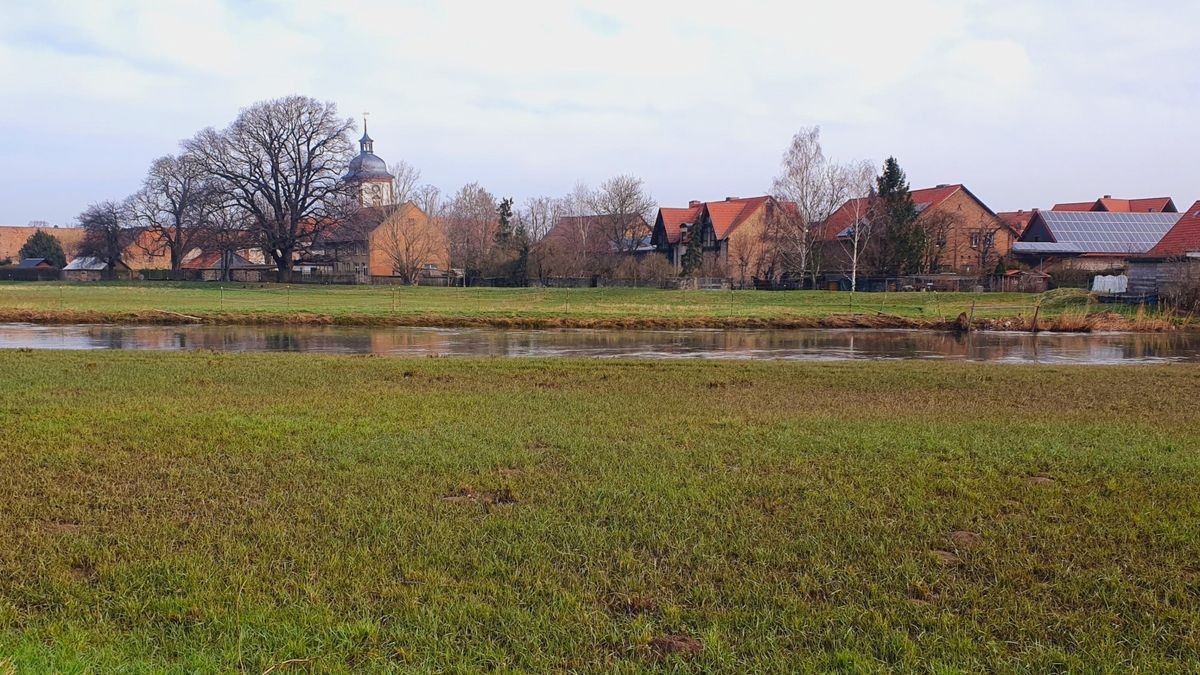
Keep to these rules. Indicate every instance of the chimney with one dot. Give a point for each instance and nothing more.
(943, 185)
(693, 203)
(729, 199)
(1107, 197)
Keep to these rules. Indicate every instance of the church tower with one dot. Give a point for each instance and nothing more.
(369, 175)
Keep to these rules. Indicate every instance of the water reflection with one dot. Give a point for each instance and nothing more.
(712, 344)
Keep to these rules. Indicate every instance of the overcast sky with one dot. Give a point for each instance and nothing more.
(1027, 102)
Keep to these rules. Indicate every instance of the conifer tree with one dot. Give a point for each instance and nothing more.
(902, 240)
(42, 244)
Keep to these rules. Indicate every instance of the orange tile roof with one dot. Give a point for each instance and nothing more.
(673, 219)
(1181, 239)
(924, 199)
(1016, 221)
(726, 216)
(1106, 203)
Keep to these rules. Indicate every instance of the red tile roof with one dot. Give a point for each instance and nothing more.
(1106, 203)
(728, 215)
(1181, 239)
(673, 219)
(212, 260)
(924, 199)
(1016, 221)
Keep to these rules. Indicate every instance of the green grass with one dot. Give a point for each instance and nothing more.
(217, 512)
(590, 303)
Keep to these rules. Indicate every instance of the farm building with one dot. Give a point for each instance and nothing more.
(1173, 264)
(1090, 240)
(87, 268)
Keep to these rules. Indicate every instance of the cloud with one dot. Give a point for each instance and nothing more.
(1026, 101)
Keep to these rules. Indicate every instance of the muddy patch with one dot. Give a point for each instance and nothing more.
(1040, 479)
(965, 539)
(944, 557)
(59, 526)
(682, 645)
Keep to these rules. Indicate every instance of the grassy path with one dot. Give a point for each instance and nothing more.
(202, 512)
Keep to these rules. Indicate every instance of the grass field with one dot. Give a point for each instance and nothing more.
(201, 512)
(436, 306)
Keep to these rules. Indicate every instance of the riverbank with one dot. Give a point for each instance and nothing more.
(196, 512)
(266, 304)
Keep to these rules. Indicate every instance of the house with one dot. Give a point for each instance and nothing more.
(967, 236)
(1110, 205)
(381, 241)
(1171, 265)
(223, 265)
(729, 231)
(1090, 241)
(88, 268)
(13, 237)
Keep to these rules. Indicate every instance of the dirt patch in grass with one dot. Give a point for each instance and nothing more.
(945, 557)
(682, 645)
(965, 539)
(59, 526)
(1040, 479)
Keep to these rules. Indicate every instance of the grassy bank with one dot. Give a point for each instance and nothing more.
(222, 512)
(549, 308)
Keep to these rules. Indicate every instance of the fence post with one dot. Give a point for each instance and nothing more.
(1037, 309)
(222, 299)
(971, 319)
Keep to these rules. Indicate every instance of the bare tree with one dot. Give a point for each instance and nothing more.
(539, 215)
(937, 228)
(281, 162)
(470, 224)
(814, 187)
(624, 208)
(227, 230)
(106, 233)
(983, 244)
(405, 177)
(859, 177)
(173, 206)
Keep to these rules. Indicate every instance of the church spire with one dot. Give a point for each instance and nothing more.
(365, 144)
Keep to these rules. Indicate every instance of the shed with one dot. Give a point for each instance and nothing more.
(90, 268)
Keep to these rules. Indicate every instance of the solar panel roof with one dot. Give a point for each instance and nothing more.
(1102, 232)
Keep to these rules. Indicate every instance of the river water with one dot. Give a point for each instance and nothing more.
(795, 345)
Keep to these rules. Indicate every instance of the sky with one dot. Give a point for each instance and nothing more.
(1026, 102)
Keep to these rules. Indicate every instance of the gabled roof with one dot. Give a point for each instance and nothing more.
(1183, 238)
(924, 199)
(1111, 205)
(672, 220)
(1095, 232)
(34, 262)
(726, 216)
(89, 263)
(211, 260)
(1016, 221)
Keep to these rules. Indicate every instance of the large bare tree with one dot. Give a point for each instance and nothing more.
(173, 207)
(470, 221)
(281, 162)
(405, 178)
(624, 208)
(106, 233)
(813, 186)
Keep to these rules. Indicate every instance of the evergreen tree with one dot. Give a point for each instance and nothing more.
(693, 255)
(504, 231)
(42, 244)
(902, 239)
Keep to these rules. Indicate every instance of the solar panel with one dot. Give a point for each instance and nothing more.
(1104, 232)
